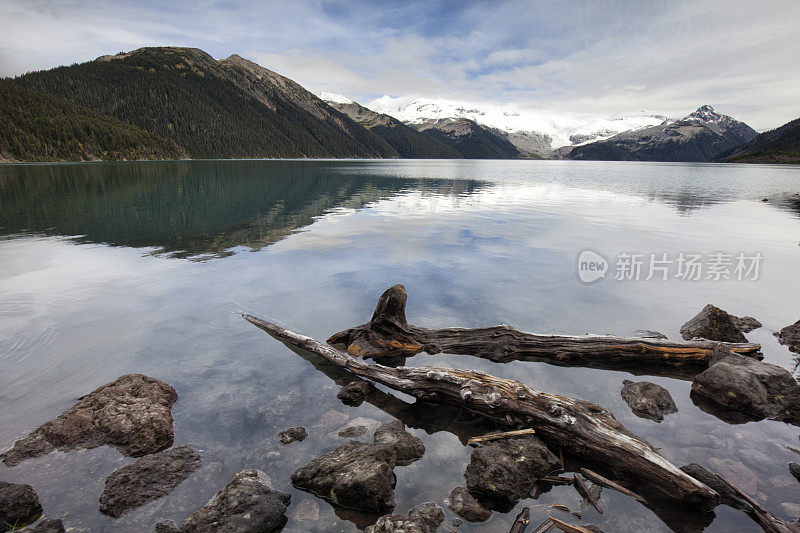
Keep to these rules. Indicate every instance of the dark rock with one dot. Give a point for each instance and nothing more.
(464, 504)
(354, 393)
(648, 400)
(501, 472)
(351, 432)
(648, 334)
(248, 503)
(147, 479)
(407, 447)
(48, 525)
(714, 324)
(790, 336)
(166, 526)
(295, 434)
(132, 413)
(759, 389)
(794, 468)
(355, 475)
(19, 505)
(745, 324)
(727, 495)
(424, 518)
(456, 522)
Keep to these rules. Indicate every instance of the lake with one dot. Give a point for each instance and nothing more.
(145, 267)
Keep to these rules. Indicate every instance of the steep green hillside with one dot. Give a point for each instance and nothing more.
(41, 127)
(210, 108)
(781, 145)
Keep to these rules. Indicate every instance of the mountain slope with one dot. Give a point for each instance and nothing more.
(211, 108)
(40, 127)
(699, 137)
(781, 145)
(469, 138)
(409, 143)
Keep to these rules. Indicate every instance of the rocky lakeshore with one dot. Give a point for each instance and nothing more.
(359, 478)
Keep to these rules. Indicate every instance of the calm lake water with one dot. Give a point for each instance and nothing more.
(107, 269)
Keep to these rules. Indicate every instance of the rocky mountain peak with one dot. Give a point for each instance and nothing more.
(705, 113)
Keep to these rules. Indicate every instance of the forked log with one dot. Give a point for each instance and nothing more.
(583, 428)
(388, 334)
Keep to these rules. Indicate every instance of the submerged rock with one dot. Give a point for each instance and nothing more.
(790, 336)
(147, 479)
(351, 432)
(248, 503)
(794, 468)
(407, 447)
(19, 505)
(132, 413)
(354, 393)
(714, 324)
(48, 525)
(424, 518)
(648, 400)
(166, 526)
(355, 475)
(465, 505)
(761, 390)
(504, 471)
(745, 324)
(295, 434)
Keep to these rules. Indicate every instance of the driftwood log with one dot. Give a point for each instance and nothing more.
(584, 428)
(388, 335)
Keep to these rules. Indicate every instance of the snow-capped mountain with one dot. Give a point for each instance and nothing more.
(334, 98)
(560, 129)
(699, 136)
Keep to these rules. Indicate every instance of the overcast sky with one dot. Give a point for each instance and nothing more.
(596, 57)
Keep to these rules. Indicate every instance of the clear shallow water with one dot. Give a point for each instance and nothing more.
(107, 269)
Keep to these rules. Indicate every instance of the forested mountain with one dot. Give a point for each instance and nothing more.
(219, 109)
(35, 126)
(781, 145)
(700, 136)
(472, 140)
(408, 142)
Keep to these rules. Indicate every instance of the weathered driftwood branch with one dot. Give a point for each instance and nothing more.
(521, 521)
(583, 428)
(500, 435)
(388, 334)
(568, 528)
(584, 492)
(605, 482)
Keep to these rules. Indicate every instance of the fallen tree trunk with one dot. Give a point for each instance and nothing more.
(583, 428)
(388, 334)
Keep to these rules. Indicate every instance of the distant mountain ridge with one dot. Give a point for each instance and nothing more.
(407, 141)
(781, 145)
(472, 140)
(700, 137)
